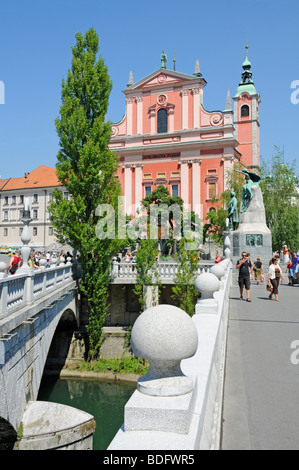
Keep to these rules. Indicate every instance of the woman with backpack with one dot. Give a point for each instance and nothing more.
(15, 263)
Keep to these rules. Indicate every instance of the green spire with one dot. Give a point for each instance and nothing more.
(246, 85)
(163, 60)
(246, 64)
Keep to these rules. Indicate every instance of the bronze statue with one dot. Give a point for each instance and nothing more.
(233, 214)
(251, 179)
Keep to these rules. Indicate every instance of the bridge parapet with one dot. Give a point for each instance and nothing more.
(126, 273)
(157, 417)
(21, 290)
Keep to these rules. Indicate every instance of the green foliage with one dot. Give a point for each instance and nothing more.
(216, 224)
(184, 291)
(146, 269)
(173, 221)
(129, 365)
(279, 182)
(87, 169)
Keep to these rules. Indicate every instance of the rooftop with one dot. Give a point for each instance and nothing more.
(41, 177)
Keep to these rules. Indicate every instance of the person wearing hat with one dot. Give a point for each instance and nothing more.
(258, 269)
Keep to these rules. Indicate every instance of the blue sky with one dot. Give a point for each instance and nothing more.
(35, 52)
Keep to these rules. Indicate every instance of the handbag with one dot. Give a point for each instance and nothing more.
(269, 288)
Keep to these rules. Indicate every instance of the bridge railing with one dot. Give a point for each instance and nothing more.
(20, 290)
(184, 386)
(166, 271)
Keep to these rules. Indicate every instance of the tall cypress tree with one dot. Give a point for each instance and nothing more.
(87, 169)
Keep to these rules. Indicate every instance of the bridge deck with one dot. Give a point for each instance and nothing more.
(260, 410)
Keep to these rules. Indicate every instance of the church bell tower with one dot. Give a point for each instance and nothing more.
(246, 117)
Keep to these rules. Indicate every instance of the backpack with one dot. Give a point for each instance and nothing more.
(14, 265)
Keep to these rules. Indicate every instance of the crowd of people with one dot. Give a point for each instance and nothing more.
(37, 260)
(248, 270)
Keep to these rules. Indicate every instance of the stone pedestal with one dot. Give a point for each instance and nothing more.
(253, 235)
(166, 414)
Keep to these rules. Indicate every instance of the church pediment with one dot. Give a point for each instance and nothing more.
(163, 77)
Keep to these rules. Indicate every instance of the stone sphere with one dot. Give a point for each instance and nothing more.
(218, 270)
(207, 283)
(164, 333)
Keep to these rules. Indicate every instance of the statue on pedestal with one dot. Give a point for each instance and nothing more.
(252, 234)
(233, 214)
(251, 179)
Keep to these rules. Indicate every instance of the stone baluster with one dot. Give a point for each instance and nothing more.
(115, 268)
(226, 242)
(3, 297)
(53, 262)
(219, 271)
(207, 284)
(62, 261)
(164, 335)
(25, 237)
(3, 268)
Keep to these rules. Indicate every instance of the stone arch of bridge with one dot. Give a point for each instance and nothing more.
(8, 435)
(66, 331)
(25, 352)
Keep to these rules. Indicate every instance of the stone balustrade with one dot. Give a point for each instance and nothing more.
(125, 272)
(20, 290)
(178, 403)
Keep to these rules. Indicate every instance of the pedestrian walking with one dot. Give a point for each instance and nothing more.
(275, 273)
(258, 269)
(217, 257)
(15, 263)
(245, 268)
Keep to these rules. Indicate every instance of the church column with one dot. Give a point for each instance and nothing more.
(129, 113)
(128, 189)
(196, 186)
(196, 106)
(170, 109)
(185, 93)
(185, 182)
(139, 114)
(138, 186)
(152, 115)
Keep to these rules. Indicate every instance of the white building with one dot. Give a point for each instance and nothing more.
(36, 186)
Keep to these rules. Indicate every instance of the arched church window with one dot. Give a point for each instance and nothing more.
(162, 120)
(245, 111)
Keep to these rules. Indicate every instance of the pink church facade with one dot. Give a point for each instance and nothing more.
(168, 138)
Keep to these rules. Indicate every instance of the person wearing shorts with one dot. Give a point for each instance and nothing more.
(245, 268)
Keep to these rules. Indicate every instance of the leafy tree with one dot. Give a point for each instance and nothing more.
(87, 170)
(279, 183)
(162, 197)
(184, 291)
(146, 269)
(172, 207)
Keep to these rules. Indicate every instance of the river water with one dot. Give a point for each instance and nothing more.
(104, 400)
